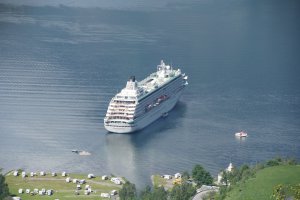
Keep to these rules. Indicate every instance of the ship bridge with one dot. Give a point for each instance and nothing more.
(163, 75)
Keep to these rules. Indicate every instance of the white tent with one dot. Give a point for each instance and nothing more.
(91, 176)
(49, 192)
(177, 175)
(42, 173)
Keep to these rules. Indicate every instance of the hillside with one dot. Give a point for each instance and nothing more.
(262, 185)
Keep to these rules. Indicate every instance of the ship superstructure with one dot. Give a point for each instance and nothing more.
(141, 103)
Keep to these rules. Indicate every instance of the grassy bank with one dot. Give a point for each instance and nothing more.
(62, 189)
(158, 181)
(262, 184)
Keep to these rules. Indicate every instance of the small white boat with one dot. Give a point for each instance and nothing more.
(241, 134)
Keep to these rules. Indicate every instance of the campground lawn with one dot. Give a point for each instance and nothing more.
(61, 189)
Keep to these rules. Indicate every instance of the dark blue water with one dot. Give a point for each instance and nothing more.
(61, 64)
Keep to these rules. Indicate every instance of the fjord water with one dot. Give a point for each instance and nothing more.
(61, 64)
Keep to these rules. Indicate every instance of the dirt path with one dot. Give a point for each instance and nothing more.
(104, 183)
(63, 179)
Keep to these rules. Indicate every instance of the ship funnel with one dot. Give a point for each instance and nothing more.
(131, 83)
(132, 78)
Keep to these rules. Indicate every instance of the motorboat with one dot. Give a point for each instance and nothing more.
(241, 134)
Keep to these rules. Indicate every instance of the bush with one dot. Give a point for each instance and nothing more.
(296, 191)
(272, 163)
(291, 161)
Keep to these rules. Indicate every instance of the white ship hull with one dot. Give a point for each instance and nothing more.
(141, 103)
(149, 118)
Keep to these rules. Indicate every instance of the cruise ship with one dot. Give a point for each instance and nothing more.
(141, 103)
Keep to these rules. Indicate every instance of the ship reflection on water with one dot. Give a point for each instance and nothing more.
(126, 157)
(121, 154)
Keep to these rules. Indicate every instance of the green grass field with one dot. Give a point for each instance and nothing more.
(159, 181)
(62, 189)
(261, 187)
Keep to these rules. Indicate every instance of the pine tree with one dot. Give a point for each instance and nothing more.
(184, 191)
(128, 192)
(4, 192)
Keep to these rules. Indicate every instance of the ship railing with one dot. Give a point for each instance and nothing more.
(119, 118)
(122, 114)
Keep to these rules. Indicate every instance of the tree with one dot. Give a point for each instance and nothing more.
(159, 193)
(128, 191)
(156, 193)
(184, 191)
(225, 177)
(222, 193)
(146, 193)
(4, 192)
(201, 176)
(185, 176)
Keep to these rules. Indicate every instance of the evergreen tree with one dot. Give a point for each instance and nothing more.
(4, 192)
(159, 193)
(184, 191)
(185, 176)
(128, 192)
(146, 193)
(201, 176)
(155, 194)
